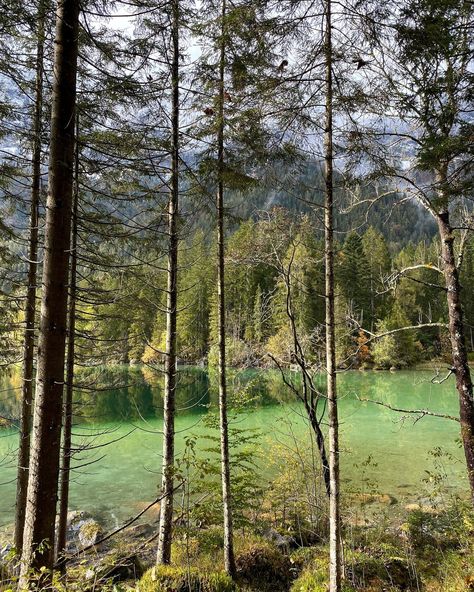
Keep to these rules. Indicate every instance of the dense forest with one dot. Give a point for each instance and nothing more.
(228, 230)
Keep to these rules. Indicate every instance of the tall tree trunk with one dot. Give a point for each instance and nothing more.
(229, 559)
(335, 550)
(456, 332)
(167, 479)
(67, 403)
(39, 535)
(30, 309)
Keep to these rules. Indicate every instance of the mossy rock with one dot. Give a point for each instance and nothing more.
(90, 532)
(166, 578)
(264, 568)
(121, 568)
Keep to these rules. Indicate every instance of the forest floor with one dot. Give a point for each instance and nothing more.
(432, 550)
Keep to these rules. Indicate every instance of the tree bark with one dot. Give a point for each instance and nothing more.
(166, 510)
(39, 534)
(335, 547)
(30, 308)
(68, 395)
(229, 558)
(456, 333)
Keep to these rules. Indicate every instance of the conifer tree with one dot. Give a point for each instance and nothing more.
(419, 69)
(168, 468)
(39, 535)
(30, 308)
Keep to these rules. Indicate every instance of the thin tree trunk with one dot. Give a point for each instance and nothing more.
(39, 534)
(67, 403)
(335, 547)
(457, 336)
(316, 427)
(166, 511)
(229, 559)
(30, 309)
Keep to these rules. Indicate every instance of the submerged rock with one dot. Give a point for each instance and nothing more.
(375, 498)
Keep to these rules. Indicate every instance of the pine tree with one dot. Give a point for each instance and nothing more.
(353, 275)
(378, 264)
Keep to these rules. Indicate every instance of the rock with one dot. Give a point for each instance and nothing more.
(75, 519)
(90, 532)
(6, 553)
(127, 568)
(114, 568)
(283, 542)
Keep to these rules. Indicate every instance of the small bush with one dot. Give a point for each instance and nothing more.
(165, 578)
(450, 529)
(368, 570)
(264, 567)
(315, 577)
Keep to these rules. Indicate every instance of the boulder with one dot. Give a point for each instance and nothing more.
(90, 532)
(119, 569)
(283, 542)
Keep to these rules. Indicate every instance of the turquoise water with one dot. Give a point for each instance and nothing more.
(380, 449)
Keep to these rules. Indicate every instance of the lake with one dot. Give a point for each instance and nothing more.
(381, 450)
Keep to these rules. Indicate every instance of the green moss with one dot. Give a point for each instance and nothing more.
(315, 577)
(364, 569)
(380, 570)
(167, 578)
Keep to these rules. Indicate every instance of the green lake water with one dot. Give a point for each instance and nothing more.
(380, 449)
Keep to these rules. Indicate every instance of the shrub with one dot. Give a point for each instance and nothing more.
(165, 578)
(450, 529)
(315, 577)
(368, 570)
(264, 567)
(199, 548)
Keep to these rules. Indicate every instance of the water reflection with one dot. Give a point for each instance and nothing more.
(125, 393)
(123, 406)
